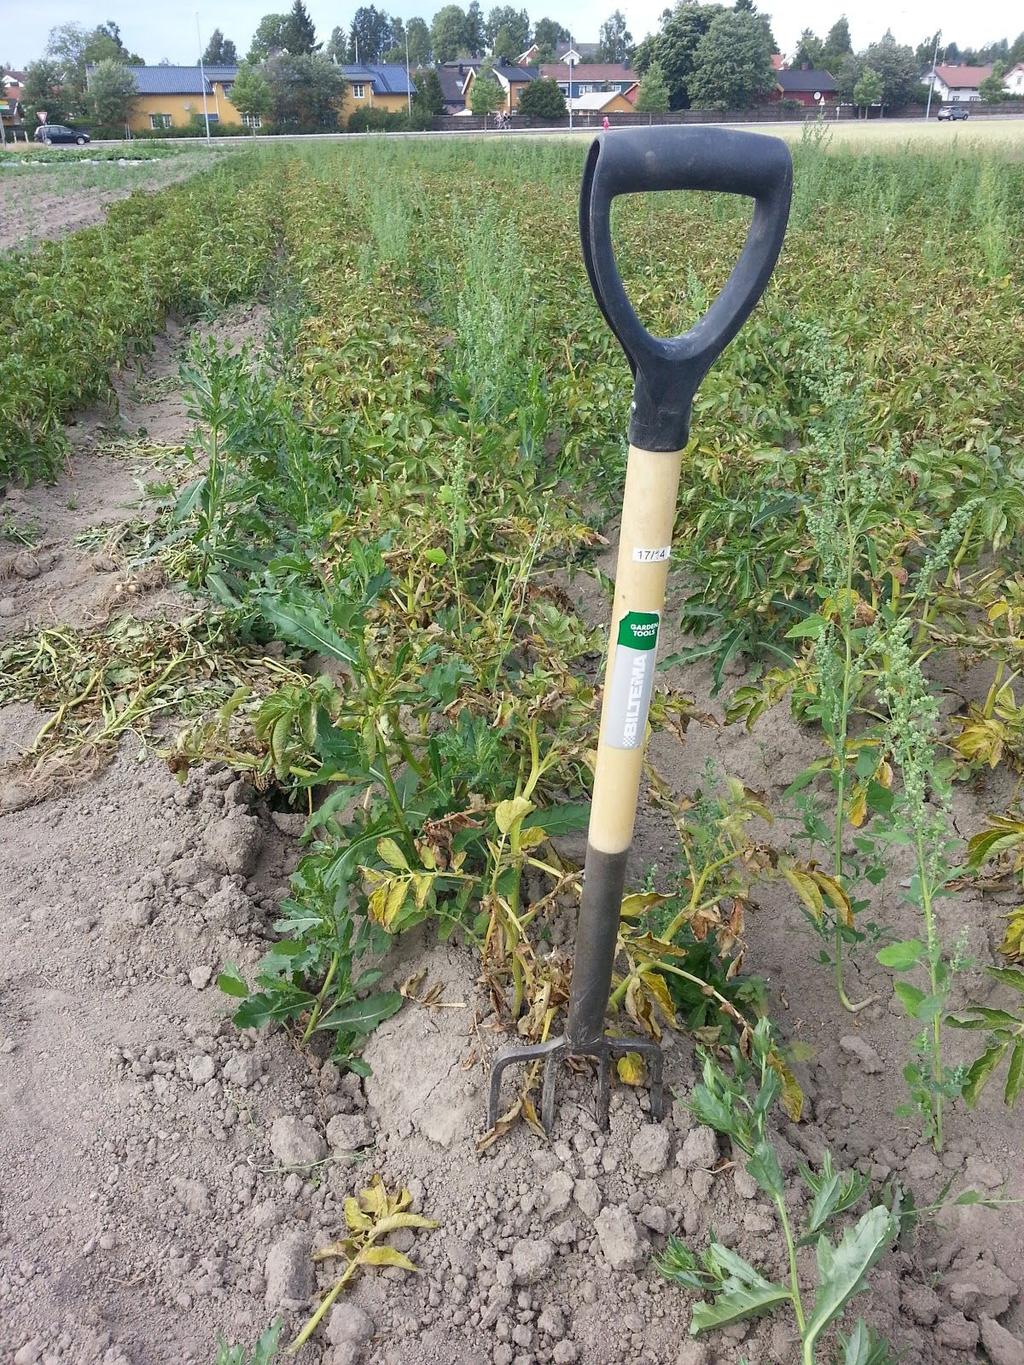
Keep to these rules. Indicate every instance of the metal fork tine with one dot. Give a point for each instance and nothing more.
(604, 1087)
(547, 1112)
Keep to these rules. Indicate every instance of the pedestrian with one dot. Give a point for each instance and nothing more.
(605, 124)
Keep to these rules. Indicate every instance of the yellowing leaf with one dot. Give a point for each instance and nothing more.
(391, 854)
(387, 1256)
(355, 1218)
(374, 1199)
(631, 1069)
(508, 813)
(792, 1096)
(858, 809)
(532, 838)
(394, 1221)
(634, 906)
(808, 891)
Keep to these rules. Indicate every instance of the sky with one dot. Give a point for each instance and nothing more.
(158, 31)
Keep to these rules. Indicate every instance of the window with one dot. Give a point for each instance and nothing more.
(160, 120)
(358, 91)
(252, 121)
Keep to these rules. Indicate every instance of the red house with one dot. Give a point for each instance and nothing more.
(804, 84)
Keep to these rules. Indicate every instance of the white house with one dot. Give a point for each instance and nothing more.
(1013, 84)
(957, 84)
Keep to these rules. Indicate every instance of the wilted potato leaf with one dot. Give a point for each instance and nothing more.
(630, 1069)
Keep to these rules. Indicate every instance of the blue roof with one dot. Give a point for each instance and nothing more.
(385, 79)
(179, 80)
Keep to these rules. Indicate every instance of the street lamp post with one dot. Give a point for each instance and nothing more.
(569, 56)
(202, 78)
(931, 78)
(408, 78)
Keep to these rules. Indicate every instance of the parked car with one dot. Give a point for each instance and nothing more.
(59, 132)
(953, 112)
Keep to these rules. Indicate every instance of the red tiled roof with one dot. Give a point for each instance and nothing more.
(962, 77)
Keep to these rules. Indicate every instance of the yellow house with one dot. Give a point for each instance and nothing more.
(512, 79)
(386, 87)
(601, 102)
(172, 96)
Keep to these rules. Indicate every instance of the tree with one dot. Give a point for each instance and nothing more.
(220, 51)
(251, 94)
(652, 97)
(837, 44)
(901, 78)
(75, 48)
(868, 90)
(371, 34)
(515, 21)
(475, 25)
(1016, 52)
(112, 93)
(850, 70)
(543, 99)
(428, 100)
(299, 33)
(675, 47)
(337, 45)
(616, 41)
(547, 35)
(991, 89)
(306, 90)
(809, 51)
(505, 48)
(925, 51)
(733, 63)
(485, 95)
(270, 35)
(45, 90)
(418, 34)
(448, 33)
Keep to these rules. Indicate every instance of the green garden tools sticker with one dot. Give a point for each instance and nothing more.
(632, 680)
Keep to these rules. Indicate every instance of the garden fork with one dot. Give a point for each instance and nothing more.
(666, 373)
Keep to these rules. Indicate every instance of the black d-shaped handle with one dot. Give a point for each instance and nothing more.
(667, 371)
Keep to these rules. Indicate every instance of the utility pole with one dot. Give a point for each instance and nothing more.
(408, 78)
(202, 78)
(931, 80)
(569, 57)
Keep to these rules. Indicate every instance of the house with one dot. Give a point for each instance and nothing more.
(804, 85)
(564, 52)
(172, 97)
(957, 84)
(452, 76)
(603, 102)
(376, 86)
(1013, 82)
(588, 77)
(12, 115)
(512, 79)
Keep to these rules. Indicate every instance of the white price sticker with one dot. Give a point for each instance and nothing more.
(657, 556)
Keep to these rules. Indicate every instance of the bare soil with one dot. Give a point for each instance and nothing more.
(165, 1177)
(46, 202)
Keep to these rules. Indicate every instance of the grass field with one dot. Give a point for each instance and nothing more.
(391, 518)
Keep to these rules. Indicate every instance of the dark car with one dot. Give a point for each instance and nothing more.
(59, 132)
(954, 112)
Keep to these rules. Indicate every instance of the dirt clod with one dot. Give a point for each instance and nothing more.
(295, 1143)
(618, 1237)
(289, 1272)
